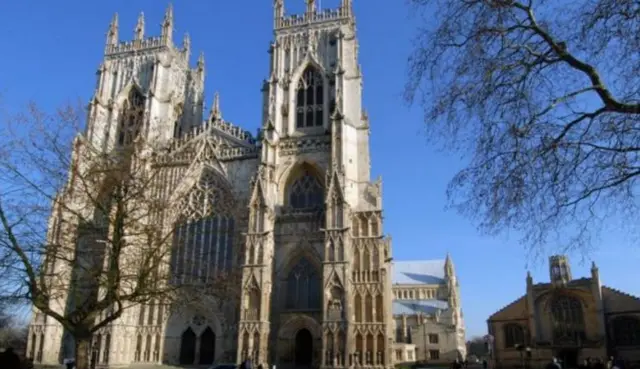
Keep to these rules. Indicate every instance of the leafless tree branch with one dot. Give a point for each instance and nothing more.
(544, 98)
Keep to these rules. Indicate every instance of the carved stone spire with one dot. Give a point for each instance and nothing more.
(216, 114)
(139, 30)
(186, 45)
(311, 6)
(167, 25)
(347, 7)
(112, 34)
(200, 64)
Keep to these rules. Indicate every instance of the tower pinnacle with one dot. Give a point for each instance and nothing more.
(278, 12)
(201, 61)
(112, 34)
(216, 114)
(347, 7)
(167, 24)
(311, 6)
(139, 30)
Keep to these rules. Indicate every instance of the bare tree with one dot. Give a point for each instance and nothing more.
(543, 96)
(87, 232)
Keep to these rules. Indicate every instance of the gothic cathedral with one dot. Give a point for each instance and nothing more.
(319, 288)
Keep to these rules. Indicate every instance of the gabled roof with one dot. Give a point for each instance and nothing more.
(411, 307)
(616, 301)
(418, 272)
(514, 310)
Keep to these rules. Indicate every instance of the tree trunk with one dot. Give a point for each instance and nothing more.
(83, 346)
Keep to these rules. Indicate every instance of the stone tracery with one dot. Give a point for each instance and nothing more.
(567, 318)
(310, 99)
(306, 192)
(203, 242)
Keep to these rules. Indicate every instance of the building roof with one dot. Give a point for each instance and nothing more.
(411, 307)
(418, 272)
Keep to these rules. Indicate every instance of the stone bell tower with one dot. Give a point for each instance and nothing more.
(316, 275)
(145, 87)
(559, 269)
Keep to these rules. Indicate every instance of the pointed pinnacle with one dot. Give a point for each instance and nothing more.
(169, 12)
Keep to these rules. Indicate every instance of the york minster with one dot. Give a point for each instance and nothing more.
(293, 208)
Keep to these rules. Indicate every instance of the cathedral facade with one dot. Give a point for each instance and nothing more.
(318, 286)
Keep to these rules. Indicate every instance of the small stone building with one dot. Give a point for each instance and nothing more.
(571, 319)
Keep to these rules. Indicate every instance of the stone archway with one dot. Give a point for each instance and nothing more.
(188, 347)
(299, 341)
(207, 347)
(303, 348)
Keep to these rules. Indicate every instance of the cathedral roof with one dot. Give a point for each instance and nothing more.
(411, 307)
(418, 272)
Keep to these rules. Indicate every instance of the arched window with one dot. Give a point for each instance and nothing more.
(310, 99)
(132, 117)
(306, 192)
(567, 319)
(513, 335)
(626, 331)
(303, 287)
(203, 241)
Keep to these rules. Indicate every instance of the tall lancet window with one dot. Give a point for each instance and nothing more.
(310, 99)
(203, 241)
(131, 118)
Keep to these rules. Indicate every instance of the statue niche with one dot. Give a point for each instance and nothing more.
(335, 306)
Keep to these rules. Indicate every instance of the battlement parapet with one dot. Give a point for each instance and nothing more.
(321, 16)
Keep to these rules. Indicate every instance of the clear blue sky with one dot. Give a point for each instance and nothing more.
(51, 50)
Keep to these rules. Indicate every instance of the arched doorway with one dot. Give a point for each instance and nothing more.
(304, 348)
(207, 347)
(188, 347)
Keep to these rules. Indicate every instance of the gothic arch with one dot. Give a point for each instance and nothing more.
(131, 117)
(184, 318)
(124, 94)
(191, 179)
(300, 252)
(303, 186)
(309, 63)
(296, 323)
(293, 168)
